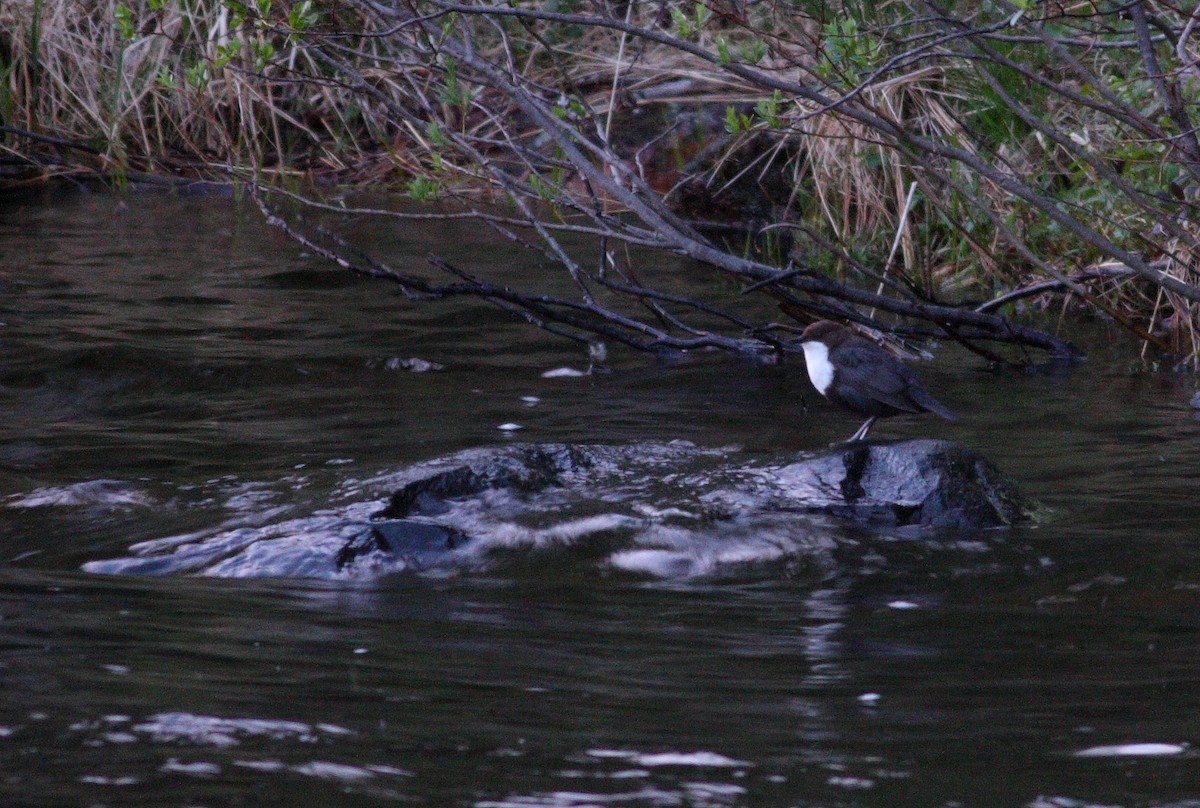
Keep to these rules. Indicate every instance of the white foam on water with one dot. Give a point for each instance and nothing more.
(334, 729)
(860, 783)
(391, 770)
(208, 730)
(1042, 801)
(1133, 750)
(712, 793)
(703, 759)
(198, 769)
(508, 534)
(119, 737)
(168, 542)
(563, 373)
(333, 771)
(414, 364)
(658, 563)
(262, 765)
(582, 799)
(107, 493)
(650, 760)
(651, 512)
(255, 499)
(103, 780)
(669, 551)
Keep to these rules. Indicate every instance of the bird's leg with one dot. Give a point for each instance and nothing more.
(861, 434)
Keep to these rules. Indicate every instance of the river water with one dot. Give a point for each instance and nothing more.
(172, 367)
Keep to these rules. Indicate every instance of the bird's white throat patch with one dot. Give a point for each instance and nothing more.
(820, 369)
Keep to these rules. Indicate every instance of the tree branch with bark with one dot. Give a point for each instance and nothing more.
(921, 168)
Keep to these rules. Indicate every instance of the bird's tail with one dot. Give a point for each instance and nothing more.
(931, 404)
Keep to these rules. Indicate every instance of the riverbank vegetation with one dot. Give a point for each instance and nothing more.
(921, 168)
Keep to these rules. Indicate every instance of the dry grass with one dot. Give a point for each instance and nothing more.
(173, 87)
(177, 88)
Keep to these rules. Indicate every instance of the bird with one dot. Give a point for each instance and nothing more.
(863, 377)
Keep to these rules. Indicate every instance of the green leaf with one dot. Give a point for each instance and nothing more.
(768, 110)
(723, 50)
(423, 189)
(753, 53)
(435, 134)
(683, 24)
(303, 16)
(198, 75)
(263, 53)
(227, 53)
(126, 25)
(736, 122)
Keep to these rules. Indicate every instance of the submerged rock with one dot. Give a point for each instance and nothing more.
(665, 509)
(525, 468)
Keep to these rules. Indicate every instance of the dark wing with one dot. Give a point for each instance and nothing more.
(885, 379)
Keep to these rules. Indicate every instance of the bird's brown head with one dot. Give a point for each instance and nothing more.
(825, 331)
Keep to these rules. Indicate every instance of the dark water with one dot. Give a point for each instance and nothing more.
(176, 368)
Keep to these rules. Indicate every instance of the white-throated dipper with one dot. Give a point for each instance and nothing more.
(863, 377)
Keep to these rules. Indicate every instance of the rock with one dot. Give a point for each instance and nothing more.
(1196, 401)
(417, 542)
(931, 483)
(525, 467)
(666, 509)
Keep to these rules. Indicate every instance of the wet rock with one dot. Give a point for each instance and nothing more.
(664, 509)
(524, 468)
(420, 543)
(930, 483)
